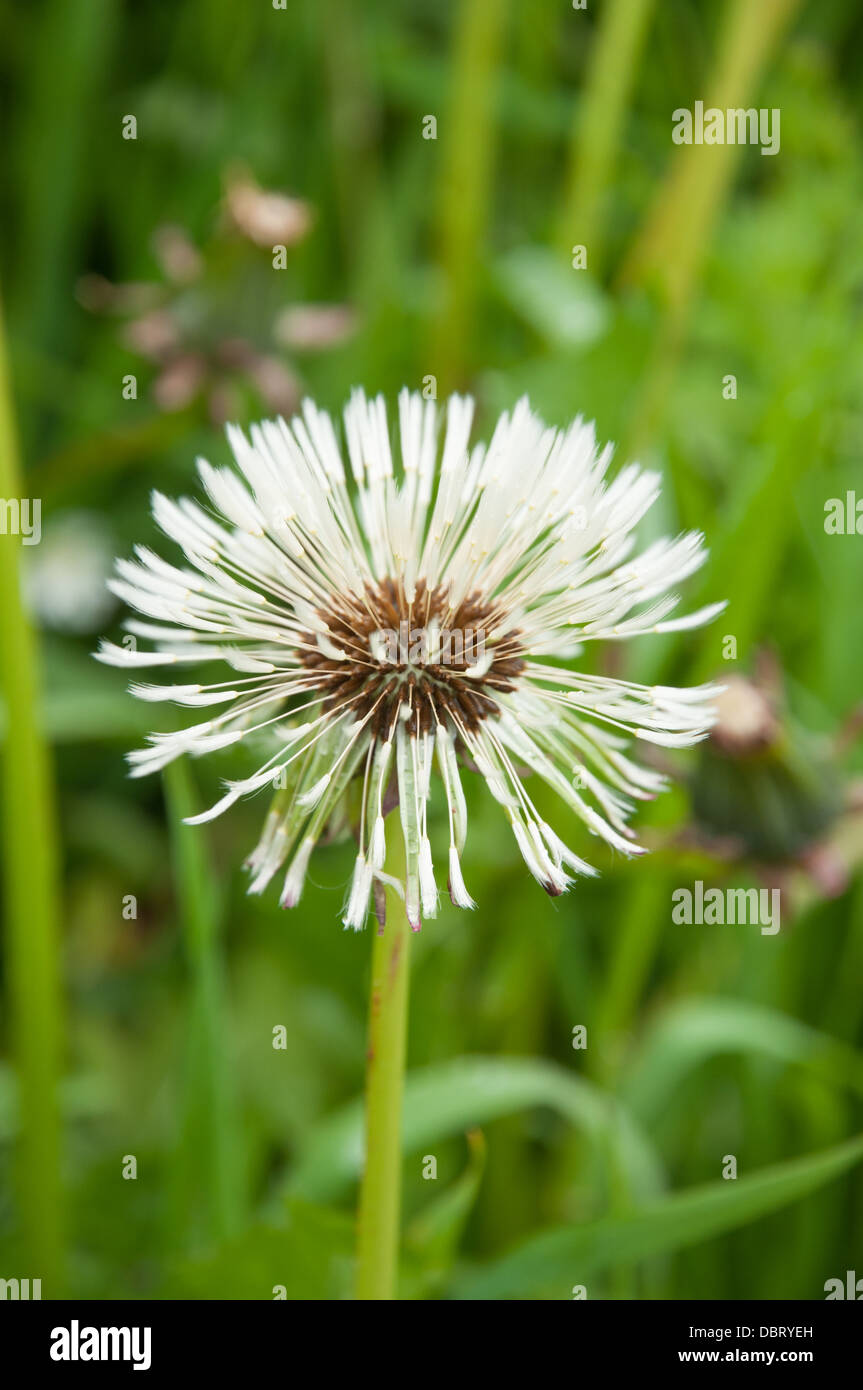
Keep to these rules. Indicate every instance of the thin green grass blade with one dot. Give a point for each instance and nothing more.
(207, 1189)
(559, 1259)
(31, 897)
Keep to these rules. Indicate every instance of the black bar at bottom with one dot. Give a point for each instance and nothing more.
(73, 1338)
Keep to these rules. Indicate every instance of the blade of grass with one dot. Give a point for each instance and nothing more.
(569, 1254)
(677, 233)
(670, 249)
(469, 130)
(354, 116)
(30, 889)
(207, 1173)
(845, 1008)
(644, 915)
(599, 122)
(692, 1032)
(69, 54)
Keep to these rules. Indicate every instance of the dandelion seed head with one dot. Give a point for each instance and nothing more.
(404, 605)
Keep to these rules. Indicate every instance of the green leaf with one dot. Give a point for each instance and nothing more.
(692, 1032)
(564, 306)
(550, 1264)
(455, 1097)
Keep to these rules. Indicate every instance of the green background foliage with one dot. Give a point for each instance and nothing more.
(556, 1167)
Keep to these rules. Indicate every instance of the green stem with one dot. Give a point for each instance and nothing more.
(380, 1191)
(31, 895)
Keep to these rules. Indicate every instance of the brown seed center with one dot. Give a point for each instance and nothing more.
(383, 656)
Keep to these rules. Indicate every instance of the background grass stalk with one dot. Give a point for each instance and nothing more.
(471, 137)
(599, 122)
(670, 250)
(676, 236)
(380, 1191)
(206, 1190)
(31, 899)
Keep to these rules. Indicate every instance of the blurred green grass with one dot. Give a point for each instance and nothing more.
(702, 1042)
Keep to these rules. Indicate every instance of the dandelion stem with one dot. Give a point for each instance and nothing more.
(380, 1192)
(31, 896)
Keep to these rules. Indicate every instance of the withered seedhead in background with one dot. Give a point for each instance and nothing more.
(210, 325)
(770, 793)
